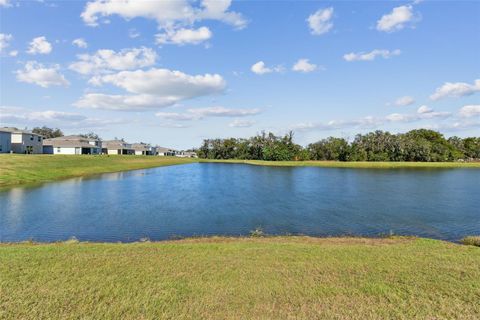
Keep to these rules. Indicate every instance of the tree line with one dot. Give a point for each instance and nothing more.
(415, 145)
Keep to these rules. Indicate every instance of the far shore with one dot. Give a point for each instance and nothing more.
(20, 170)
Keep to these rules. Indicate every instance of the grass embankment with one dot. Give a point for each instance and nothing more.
(353, 164)
(246, 278)
(29, 169)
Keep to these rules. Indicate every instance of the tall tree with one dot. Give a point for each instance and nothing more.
(47, 132)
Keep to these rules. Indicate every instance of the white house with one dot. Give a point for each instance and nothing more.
(5, 141)
(160, 151)
(143, 149)
(72, 145)
(23, 141)
(117, 147)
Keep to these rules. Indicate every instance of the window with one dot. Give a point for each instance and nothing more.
(39, 139)
(59, 149)
(31, 138)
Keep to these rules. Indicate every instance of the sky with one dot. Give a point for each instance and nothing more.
(174, 73)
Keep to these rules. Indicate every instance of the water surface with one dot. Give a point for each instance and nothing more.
(233, 199)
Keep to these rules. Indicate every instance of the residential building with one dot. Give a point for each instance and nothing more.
(72, 145)
(23, 141)
(143, 149)
(161, 151)
(5, 141)
(117, 147)
(186, 154)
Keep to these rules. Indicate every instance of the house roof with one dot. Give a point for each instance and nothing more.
(68, 143)
(141, 147)
(116, 144)
(162, 149)
(16, 130)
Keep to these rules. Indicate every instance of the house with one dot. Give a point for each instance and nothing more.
(5, 141)
(117, 147)
(186, 154)
(160, 151)
(72, 145)
(23, 141)
(143, 149)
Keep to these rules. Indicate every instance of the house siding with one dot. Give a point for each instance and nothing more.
(5, 142)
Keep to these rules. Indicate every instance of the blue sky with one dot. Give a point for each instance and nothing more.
(175, 72)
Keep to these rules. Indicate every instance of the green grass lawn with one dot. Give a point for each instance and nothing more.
(242, 278)
(353, 164)
(27, 169)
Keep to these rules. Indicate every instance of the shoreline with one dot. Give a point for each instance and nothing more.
(33, 170)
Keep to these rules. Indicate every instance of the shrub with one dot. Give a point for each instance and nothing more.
(471, 241)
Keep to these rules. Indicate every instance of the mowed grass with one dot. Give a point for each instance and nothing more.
(28, 169)
(353, 164)
(245, 278)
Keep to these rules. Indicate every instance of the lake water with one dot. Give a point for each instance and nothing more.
(233, 199)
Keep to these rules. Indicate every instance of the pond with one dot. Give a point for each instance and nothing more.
(203, 199)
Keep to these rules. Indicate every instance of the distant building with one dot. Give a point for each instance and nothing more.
(23, 141)
(117, 147)
(143, 149)
(72, 145)
(164, 152)
(5, 141)
(186, 154)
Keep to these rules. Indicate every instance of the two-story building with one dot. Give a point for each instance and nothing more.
(23, 141)
(72, 145)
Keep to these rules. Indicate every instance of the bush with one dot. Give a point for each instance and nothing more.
(471, 241)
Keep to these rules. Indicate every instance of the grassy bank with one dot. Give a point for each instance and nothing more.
(28, 169)
(353, 164)
(246, 278)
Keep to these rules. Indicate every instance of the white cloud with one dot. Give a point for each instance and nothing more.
(154, 88)
(470, 111)
(200, 113)
(424, 109)
(223, 112)
(36, 73)
(261, 68)
(5, 3)
(370, 56)
(239, 123)
(404, 101)
(80, 42)
(106, 60)
(167, 13)
(184, 36)
(396, 20)
(456, 89)
(133, 33)
(5, 41)
(13, 53)
(303, 65)
(39, 45)
(19, 116)
(320, 22)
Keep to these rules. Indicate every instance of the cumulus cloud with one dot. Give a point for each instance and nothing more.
(106, 60)
(13, 53)
(320, 22)
(167, 13)
(261, 68)
(370, 56)
(5, 41)
(19, 116)
(5, 3)
(200, 113)
(470, 111)
(36, 73)
(240, 123)
(154, 88)
(456, 89)
(423, 113)
(39, 45)
(80, 42)
(424, 109)
(404, 101)
(184, 36)
(303, 65)
(397, 19)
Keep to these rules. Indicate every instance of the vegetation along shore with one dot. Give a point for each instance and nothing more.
(242, 278)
